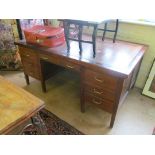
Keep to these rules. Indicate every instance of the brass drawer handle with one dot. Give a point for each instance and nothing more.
(97, 92)
(31, 73)
(30, 65)
(97, 102)
(69, 66)
(27, 55)
(44, 58)
(101, 81)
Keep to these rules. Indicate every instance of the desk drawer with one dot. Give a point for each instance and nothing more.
(31, 69)
(28, 54)
(99, 92)
(70, 65)
(107, 82)
(104, 104)
(48, 58)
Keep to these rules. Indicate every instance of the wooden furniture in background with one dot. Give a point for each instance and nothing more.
(16, 106)
(106, 29)
(105, 79)
(80, 25)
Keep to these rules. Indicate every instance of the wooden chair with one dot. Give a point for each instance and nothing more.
(109, 30)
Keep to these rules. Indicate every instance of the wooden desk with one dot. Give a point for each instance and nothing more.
(16, 106)
(105, 79)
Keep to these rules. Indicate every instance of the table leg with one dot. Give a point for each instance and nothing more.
(37, 121)
(116, 29)
(80, 38)
(36, 127)
(66, 31)
(104, 32)
(94, 40)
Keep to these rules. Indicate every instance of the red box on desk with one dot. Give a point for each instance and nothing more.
(45, 35)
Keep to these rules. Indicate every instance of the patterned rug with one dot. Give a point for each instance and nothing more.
(54, 125)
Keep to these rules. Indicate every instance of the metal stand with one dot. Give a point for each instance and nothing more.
(38, 123)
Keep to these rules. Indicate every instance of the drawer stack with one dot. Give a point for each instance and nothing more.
(30, 62)
(100, 89)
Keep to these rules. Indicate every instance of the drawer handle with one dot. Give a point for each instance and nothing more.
(69, 66)
(97, 92)
(30, 72)
(30, 65)
(44, 58)
(27, 55)
(101, 81)
(97, 102)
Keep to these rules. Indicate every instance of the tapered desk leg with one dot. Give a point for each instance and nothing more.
(112, 120)
(43, 85)
(27, 79)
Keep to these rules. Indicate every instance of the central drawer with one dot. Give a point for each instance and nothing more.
(70, 65)
(104, 81)
(48, 58)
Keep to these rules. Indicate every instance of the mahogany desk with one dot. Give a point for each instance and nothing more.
(105, 79)
(16, 106)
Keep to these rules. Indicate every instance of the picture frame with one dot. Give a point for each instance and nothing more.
(149, 88)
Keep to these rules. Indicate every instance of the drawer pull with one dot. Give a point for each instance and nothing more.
(69, 66)
(101, 81)
(44, 58)
(27, 55)
(97, 102)
(97, 92)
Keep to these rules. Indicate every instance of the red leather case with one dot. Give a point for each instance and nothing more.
(45, 35)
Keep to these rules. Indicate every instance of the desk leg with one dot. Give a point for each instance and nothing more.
(27, 79)
(82, 101)
(112, 120)
(43, 85)
(117, 100)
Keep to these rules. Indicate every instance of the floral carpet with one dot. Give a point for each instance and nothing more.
(54, 125)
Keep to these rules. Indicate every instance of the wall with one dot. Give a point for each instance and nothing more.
(144, 34)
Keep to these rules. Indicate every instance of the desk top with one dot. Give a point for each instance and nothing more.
(119, 57)
(16, 105)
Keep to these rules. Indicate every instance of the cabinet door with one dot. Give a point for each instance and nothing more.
(30, 61)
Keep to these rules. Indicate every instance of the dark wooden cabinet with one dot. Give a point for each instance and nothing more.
(30, 63)
(105, 78)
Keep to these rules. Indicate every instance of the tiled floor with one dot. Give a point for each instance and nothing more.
(136, 116)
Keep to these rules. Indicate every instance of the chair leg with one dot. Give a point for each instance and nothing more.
(104, 32)
(116, 29)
